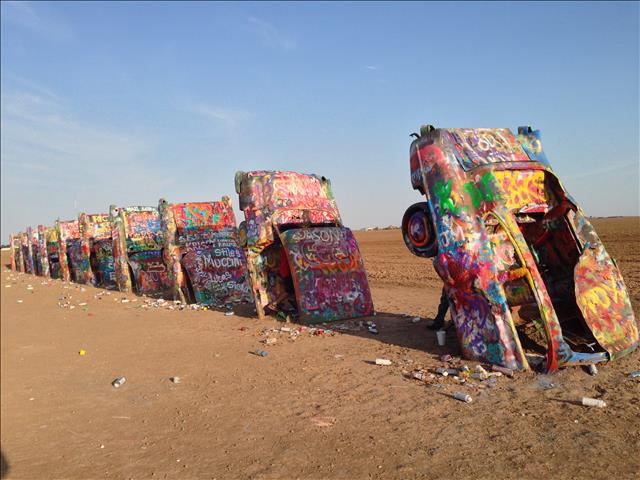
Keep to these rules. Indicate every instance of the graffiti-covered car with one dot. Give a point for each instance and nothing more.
(69, 249)
(27, 258)
(302, 260)
(98, 266)
(17, 260)
(43, 267)
(202, 249)
(53, 251)
(137, 251)
(522, 266)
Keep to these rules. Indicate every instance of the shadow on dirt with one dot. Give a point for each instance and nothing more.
(401, 331)
(4, 465)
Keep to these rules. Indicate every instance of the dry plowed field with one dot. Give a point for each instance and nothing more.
(315, 407)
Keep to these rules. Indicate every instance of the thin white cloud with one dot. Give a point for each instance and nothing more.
(270, 35)
(229, 117)
(607, 169)
(25, 15)
(371, 67)
(52, 160)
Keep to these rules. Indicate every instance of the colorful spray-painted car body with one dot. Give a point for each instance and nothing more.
(53, 251)
(27, 258)
(98, 266)
(17, 260)
(137, 251)
(69, 249)
(34, 250)
(521, 264)
(43, 267)
(298, 251)
(202, 250)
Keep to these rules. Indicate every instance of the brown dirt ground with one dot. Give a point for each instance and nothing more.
(313, 408)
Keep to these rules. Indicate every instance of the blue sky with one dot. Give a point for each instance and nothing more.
(128, 102)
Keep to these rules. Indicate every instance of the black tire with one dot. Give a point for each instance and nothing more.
(418, 232)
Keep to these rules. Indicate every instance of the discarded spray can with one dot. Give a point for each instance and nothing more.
(175, 379)
(635, 374)
(373, 330)
(447, 371)
(446, 358)
(419, 375)
(593, 402)
(229, 313)
(505, 371)
(593, 370)
(383, 361)
(118, 382)
(260, 353)
(463, 397)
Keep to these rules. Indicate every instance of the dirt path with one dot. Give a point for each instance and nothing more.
(315, 407)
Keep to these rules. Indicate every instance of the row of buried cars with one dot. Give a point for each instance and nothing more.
(522, 267)
(291, 256)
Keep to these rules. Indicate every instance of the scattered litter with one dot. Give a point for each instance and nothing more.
(82, 353)
(505, 371)
(421, 375)
(635, 374)
(446, 358)
(269, 341)
(441, 336)
(373, 330)
(323, 421)
(544, 384)
(415, 320)
(383, 361)
(593, 370)
(118, 382)
(19, 301)
(82, 304)
(285, 329)
(175, 379)
(463, 397)
(101, 446)
(593, 402)
(447, 371)
(229, 313)
(260, 353)
(7, 286)
(125, 300)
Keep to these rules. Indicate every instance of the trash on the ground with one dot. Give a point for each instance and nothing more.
(229, 313)
(505, 371)
(463, 397)
(383, 361)
(19, 301)
(118, 382)
(82, 352)
(260, 353)
(270, 341)
(593, 402)
(441, 336)
(175, 379)
(323, 421)
(545, 384)
(415, 320)
(82, 304)
(592, 369)
(421, 375)
(125, 300)
(534, 360)
(373, 330)
(447, 371)
(285, 329)
(446, 358)
(635, 374)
